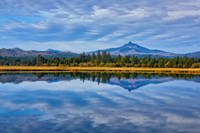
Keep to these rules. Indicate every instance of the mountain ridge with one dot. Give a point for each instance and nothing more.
(126, 49)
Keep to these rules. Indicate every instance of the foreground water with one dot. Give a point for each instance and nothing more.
(99, 103)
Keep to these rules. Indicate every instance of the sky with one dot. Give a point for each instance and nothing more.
(87, 25)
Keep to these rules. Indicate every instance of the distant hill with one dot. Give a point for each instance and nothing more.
(195, 54)
(16, 52)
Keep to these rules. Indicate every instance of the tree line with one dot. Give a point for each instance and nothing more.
(103, 59)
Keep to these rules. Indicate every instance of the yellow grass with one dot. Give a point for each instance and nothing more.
(109, 69)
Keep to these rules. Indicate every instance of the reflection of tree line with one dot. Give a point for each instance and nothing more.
(100, 77)
(105, 77)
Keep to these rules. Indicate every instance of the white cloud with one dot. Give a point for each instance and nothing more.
(136, 14)
(175, 15)
(102, 13)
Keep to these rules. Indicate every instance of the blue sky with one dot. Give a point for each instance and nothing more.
(79, 25)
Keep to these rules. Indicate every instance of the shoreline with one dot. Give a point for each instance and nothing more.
(195, 71)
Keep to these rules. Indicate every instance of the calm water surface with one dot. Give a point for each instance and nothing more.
(99, 103)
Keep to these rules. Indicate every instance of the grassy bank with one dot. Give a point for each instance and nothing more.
(109, 69)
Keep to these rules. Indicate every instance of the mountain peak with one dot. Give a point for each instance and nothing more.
(134, 46)
(130, 44)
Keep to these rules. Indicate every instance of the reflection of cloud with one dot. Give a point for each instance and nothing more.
(89, 107)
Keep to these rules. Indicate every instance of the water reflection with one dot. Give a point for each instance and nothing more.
(128, 81)
(98, 102)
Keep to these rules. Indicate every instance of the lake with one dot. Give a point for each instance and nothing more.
(99, 103)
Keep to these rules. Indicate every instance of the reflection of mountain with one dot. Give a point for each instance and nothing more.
(132, 84)
(126, 83)
(18, 78)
